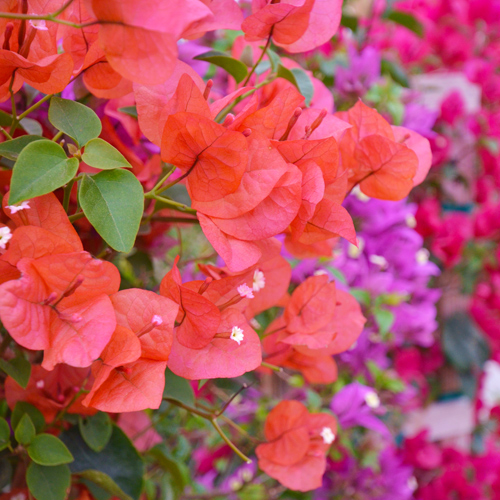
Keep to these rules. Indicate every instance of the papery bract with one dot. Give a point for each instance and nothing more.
(222, 357)
(61, 305)
(51, 392)
(296, 449)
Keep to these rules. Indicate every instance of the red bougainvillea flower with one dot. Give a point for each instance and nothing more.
(296, 27)
(139, 38)
(243, 190)
(42, 228)
(269, 279)
(47, 213)
(29, 51)
(61, 304)
(311, 328)
(384, 166)
(213, 338)
(51, 391)
(234, 350)
(295, 453)
(130, 373)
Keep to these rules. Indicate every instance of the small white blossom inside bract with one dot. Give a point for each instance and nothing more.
(327, 435)
(5, 236)
(259, 280)
(411, 221)
(372, 400)
(245, 291)
(379, 260)
(157, 320)
(422, 256)
(17, 208)
(39, 24)
(237, 334)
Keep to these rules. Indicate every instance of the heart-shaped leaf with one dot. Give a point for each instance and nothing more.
(11, 149)
(19, 368)
(233, 66)
(41, 167)
(100, 154)
(74, 119)
(46, 449)
(48, 483)
(113, 202)
(96, 430)
(25, 430)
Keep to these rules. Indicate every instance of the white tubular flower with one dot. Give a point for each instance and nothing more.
(372, 400)
(245, 291)
(39, 24)
(237, 334)
(17, 208)
(411, 221)
(320, 272)
(379, 260)
(327, 435)
(259, 280)
(422, 256)
(5, 236)
(157, 320)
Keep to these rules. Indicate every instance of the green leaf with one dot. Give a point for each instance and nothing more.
(41, 167)
(11, 149)
(202, 382)
(337, 274)
(119, 459)
(350, 22)
(25, 430)
(113, 202)
(384, 319)
(362, 296)
(47, 449)
(234, 67)
(129, 110)
(252, 492)
(274, 58)
(4, 434)
(406, 20)
(34, 413)
(262, 67)
(463, 344)
(105, 482)
(74, 119)
(5, 119)
(18, 368)
(178, 388)
(6, 472)
(300, 79)
(96, 430)
(395, 71)
(177, 470)
(304, 84)
(100, 154)
(30, 126)
(48, 483)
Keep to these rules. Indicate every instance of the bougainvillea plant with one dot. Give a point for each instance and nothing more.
(148, 218)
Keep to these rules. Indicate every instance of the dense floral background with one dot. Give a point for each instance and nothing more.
(250, 249)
